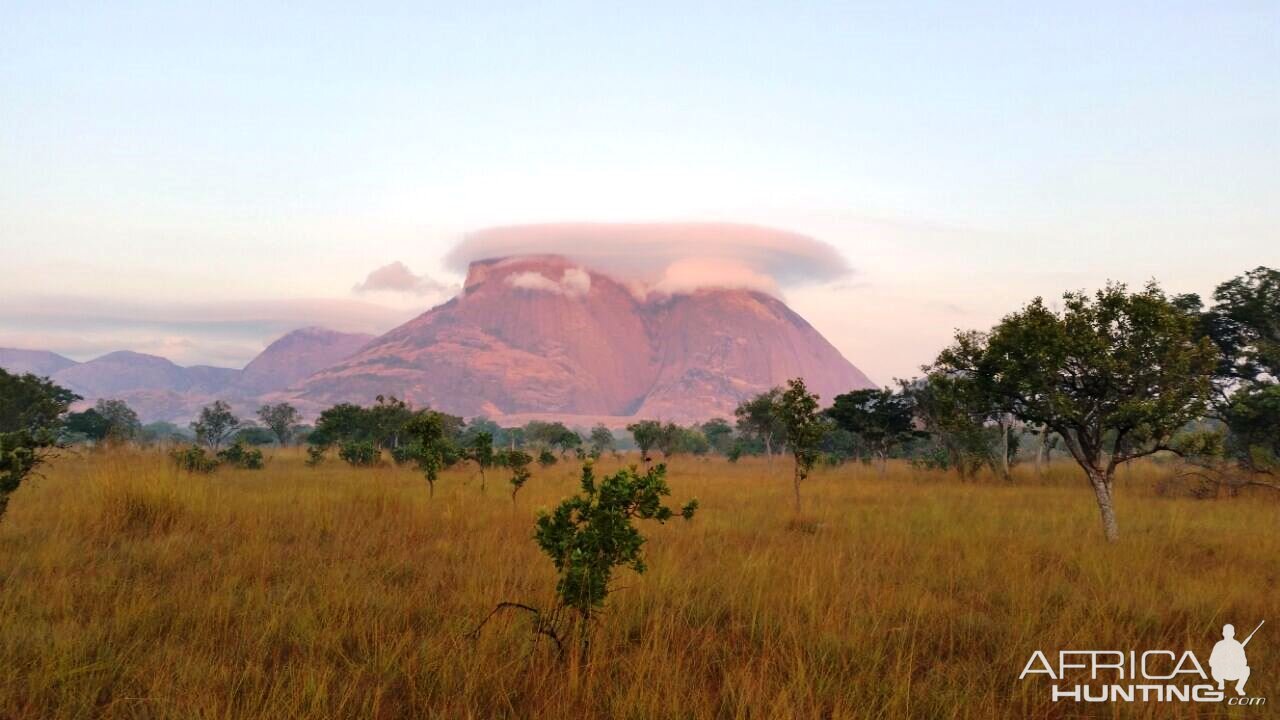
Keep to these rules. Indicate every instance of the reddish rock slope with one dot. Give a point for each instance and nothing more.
(542, 336)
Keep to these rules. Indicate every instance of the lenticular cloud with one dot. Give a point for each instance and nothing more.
(667, 258)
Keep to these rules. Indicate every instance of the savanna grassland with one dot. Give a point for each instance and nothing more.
(129, 590)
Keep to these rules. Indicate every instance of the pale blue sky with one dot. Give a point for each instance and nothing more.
(962, 160)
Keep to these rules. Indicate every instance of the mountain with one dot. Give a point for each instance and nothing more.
(297, 355)
(538, 335)
(121, 371)
(159, 389)
(36, 362)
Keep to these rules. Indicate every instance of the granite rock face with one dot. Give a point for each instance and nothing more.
(538, 336)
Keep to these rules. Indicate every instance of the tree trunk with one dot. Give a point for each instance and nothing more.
(1004, 449)
(482, 480)
(884, 462)
(796, 483)
(768, 453)
(1040, 453)
(1102, 489)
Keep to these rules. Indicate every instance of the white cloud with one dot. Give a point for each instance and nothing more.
(573, 283)
(397, 277)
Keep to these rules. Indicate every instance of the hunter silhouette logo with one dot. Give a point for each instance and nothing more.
(1150, 675)
(1228, 661)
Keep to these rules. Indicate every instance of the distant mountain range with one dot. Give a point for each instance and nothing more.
(533, 336)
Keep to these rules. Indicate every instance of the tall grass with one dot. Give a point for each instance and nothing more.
(130, 590)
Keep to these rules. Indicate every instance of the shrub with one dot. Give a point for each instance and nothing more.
(242, 457)
(591, 535)
(194, 459)
(360, 453)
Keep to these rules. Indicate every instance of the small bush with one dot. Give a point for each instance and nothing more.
(546, 458)
(194, 459)
(407, 453)
(245, 458)
(359, 453)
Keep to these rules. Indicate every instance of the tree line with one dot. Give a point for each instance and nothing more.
(1104, 378)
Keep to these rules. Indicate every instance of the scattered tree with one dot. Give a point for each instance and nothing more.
(883, 419)
(601, 440)
(647, 434)
(427, 429)
(215, 425)
(803, 427)
(31, 414)
(122, 423)
(517, 461)
(282, 419)
(761, 418)
(590, 536)
(1115, 375)
(480, 452)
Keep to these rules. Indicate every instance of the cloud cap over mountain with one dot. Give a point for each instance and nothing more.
(667, 257)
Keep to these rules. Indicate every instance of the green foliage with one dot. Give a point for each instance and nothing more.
(215, 425)
(193, 459)
(359, 453)
(1253, 416)
(719, 435)
(517, 461)
(590, 535)
(31, 413)
(161, 431)
(804, 428)
(480, 452)
(760, 419)
(245, 458)
(254, 435)
(601, 440)
(883, 419)
(428, 430)
(122, 422)
(546, 458)
(647, 434)
(1116, 375)
(87, 425)
(551, 435)
(1245, 325)
(282, 419)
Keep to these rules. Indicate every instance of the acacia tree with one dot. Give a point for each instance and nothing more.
(760, 418)
(31, 411)
(881, 418)
(798, 412)
(215, 425)
(1116, 375)
(282, 419)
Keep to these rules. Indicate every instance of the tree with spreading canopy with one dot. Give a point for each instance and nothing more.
(881, 418)
(215, 425)
(31, 415)
(1115, 375)
(282, 419)
(760, 418)
(122, 424)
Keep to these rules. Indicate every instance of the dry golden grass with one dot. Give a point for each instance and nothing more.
(129, 590)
